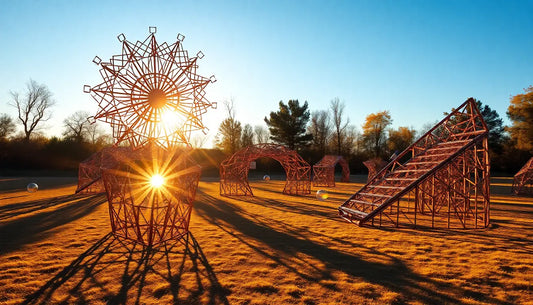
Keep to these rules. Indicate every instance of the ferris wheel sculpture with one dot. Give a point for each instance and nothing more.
(151, 93)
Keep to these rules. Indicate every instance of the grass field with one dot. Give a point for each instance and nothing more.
(55, 248)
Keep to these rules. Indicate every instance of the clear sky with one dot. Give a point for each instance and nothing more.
(416, 59)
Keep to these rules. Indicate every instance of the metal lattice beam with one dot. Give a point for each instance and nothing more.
(443, 183)
(234, 170)
(523, 180)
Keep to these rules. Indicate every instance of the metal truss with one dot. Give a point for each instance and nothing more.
(523, 180)
(90, 170)
(146, 213)
(151, 93)
(234, 170)
(324, 171)
(374, 166)
(440, 181)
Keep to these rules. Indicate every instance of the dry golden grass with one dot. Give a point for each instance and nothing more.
(268, 249)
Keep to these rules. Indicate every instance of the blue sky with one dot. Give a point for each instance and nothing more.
(416, 59)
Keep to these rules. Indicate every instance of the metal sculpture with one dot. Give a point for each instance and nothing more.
(442, 180)
(153, 98)
(234, 170)
(523, 180)
(151, 93)
(90, 170)
(324, 171)
(151, 195)
(374, 165)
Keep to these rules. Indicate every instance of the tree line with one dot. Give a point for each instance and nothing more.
(312, 134)
(328, 131)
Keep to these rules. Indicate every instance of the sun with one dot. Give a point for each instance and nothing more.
(157, 181)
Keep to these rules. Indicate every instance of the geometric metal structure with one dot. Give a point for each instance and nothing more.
(440, 181)
(151, 93)
(523, 180)
(324, 171)
(153, 98)
(90, 170)
(148, 214)
(234, 170)
(374, 165)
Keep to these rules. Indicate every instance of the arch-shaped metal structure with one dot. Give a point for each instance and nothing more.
(234, 170)
(374, 165)
(324, 171)
(523, 180)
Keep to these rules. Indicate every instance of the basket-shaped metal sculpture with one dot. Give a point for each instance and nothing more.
(150, 202)
(153, 98)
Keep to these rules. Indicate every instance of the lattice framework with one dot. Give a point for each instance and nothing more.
(90, 170)
(374, 165)
(324, 171)
(523, 180)
(153, 98)
(151, 215)
(443, 183)
(234, 170)
(151, 93)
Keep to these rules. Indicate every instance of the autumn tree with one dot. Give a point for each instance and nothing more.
(287, 126)
(401, 138)
(33, 106)
(320, 129)
(339, 123)
(261, 134)
(247, 137)
(228, 138)
(374, 132)
(520, 111)
(7, 126)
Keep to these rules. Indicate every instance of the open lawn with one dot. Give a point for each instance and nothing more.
(55, 248)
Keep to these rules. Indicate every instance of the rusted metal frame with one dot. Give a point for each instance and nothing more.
(424, 176)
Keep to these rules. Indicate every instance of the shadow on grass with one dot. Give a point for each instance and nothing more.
(38, 225)
(289, 245)
(120, 272)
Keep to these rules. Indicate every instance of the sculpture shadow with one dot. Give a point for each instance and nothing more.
(43, 217)
(118, 272)
(287, 243)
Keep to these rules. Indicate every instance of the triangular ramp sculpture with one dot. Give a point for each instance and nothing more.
(523, 180)
(440, 181)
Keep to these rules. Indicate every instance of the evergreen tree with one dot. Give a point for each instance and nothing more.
(287, 126)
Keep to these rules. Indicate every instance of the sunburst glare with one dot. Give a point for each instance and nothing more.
(157, 180)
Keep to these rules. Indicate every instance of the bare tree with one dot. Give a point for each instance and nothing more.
(339, 124)
(33, 106)
(261, 134)
(320, 128)
(7, 126)
(77, 126)
(247, 136)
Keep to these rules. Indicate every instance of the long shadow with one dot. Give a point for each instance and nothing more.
(392, 274)
(16, 209)
(120, 271)
(16, 233)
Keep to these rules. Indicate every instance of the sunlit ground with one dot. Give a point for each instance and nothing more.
(269, 249)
